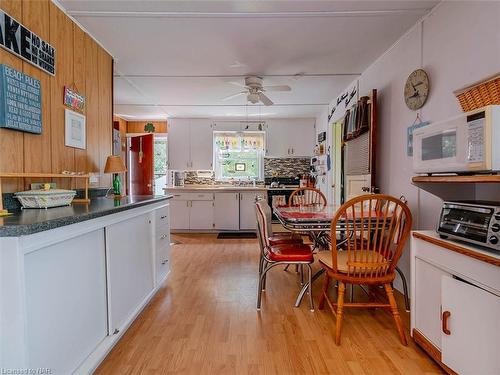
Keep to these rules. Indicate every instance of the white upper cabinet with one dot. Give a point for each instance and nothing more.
(190, 144)
(201, 144)
(290, 137)
(226, 126)
(178, 144)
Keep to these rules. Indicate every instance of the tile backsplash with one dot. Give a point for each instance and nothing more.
(283, 167)
(286, 167)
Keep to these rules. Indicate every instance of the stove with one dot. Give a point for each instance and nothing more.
(280, 194)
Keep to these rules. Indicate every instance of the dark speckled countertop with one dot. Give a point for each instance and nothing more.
(29, 221)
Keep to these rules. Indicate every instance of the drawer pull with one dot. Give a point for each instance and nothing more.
(163, 217)
(164, 262)
(446, 315)
(163, 236)
(177, 195)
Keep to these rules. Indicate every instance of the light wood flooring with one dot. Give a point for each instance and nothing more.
(204, 321)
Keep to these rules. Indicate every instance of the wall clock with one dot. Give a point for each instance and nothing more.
(416, 89)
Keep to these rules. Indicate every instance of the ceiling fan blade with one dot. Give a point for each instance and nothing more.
(233, 96)
(239, 84)
(278, 88)
(264, 99)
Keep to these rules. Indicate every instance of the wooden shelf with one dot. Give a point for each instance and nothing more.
(47, 175)
(475, 179)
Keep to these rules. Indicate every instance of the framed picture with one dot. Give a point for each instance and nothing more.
(240, 167)
(74, 130)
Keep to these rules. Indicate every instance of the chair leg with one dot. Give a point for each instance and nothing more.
(301, 274)
(262, 282)
(296, 268)
(340, 308)
(324, 292)
(264, 276)
(405, 288)
(309, 279)
(286, 267)
(395, 314)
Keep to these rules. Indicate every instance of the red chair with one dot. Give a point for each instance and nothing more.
(273, 253)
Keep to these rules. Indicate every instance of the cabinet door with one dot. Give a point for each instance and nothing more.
(278, 139)
(428, 300)
(301, 141)
(201, 137)
(247, 210)
(179, 214)
(201, 216)
(471, 347)
(66, 311)
(129, 246)
(178, 144)
(227, 211)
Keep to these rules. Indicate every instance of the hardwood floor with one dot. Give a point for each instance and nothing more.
(204, 321)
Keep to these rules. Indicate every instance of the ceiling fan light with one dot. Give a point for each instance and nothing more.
(253, 98)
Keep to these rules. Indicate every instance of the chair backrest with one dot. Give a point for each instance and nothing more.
(372, 229)
(304, 197)
(263, 224)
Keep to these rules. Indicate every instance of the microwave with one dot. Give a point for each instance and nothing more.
(469, 143)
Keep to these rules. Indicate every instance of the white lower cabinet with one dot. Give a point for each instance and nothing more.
(68, 294)
(227, 211)
(130, 271)
(247, 210)
(66, 311)
(471, 330)
(455, 306)
(201, 215)
(179, 214)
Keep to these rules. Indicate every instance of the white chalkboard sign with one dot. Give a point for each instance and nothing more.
(20, 101)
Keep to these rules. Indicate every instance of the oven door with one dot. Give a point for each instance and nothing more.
(279, 196)
(441, 147)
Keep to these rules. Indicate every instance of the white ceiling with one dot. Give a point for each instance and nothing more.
(176, 58)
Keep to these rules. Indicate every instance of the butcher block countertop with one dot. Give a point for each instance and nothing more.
(479, 253)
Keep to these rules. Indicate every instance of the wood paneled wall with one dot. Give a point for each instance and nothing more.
(138, 126)
(79, 60)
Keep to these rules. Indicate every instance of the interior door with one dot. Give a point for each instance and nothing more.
(472, 324)
(360, 158)
(140, 165)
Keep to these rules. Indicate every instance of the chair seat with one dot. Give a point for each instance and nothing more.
(291, 253)
(325, 258)
(283, 239)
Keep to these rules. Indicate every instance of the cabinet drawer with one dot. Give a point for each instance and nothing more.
(161, 216)
(201, 196)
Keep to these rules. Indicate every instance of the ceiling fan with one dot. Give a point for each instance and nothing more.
(254, 90)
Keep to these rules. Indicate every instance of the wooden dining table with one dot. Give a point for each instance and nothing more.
(316, 221)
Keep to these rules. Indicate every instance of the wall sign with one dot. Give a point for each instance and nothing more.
(74, 100)
(344, 101)
(20, 101)
(22, 42)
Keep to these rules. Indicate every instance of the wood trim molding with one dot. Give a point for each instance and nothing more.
(431, 350)
(459, 249)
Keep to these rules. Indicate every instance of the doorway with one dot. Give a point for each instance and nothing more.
(160, 164)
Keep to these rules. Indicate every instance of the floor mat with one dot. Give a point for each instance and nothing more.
(235, 235)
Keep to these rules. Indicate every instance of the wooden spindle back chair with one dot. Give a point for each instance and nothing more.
(373, 232)
(305, 197)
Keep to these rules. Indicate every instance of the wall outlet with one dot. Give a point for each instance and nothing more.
(94, 178)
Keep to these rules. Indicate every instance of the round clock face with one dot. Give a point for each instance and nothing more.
(416, 89)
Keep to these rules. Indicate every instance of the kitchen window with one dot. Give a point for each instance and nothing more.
(239, 155)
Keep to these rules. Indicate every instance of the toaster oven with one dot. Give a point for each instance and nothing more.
(475, 222)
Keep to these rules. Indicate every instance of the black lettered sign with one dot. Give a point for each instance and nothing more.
(20, 41)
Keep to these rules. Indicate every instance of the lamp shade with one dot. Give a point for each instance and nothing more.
(114, 164)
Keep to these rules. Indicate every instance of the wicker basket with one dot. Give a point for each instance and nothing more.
(45, 198)
(480, 94)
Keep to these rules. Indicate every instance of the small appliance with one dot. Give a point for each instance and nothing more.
(176, 178)
(475, 222)
(464, 144)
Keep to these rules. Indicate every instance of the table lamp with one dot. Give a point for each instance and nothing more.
(114, 164)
